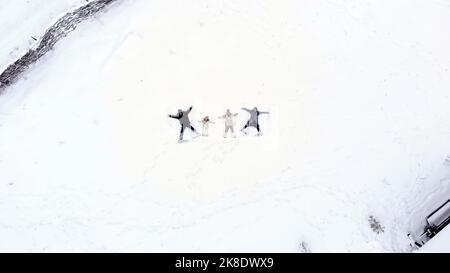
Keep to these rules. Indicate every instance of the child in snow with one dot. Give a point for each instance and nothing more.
(254, 119)
(229, 122)
(206, 121)
(183, 118)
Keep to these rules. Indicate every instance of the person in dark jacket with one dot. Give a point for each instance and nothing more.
(183, 118)
(254, 119)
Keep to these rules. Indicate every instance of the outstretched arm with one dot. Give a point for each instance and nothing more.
(235, 114)
(175, 117)
(189, 110)
(263, 113)
(245, 109)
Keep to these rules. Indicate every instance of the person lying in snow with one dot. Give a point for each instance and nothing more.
(254, 119)
(206, 122)
(229, 122)
(183, 118)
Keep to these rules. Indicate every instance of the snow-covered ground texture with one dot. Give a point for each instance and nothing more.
(23, 21)
(360, 126)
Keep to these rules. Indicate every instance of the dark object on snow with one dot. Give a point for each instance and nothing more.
(183, 118)
(254, 118)
(56, 32)
(436, 222)
(375, 225)
(304, 247)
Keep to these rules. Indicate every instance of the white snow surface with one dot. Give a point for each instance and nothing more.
(23, 20)
(358, 93)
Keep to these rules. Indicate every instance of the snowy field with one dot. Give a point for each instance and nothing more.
(23, 20)
(358, 92)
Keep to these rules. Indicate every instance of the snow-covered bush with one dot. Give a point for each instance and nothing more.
(375, 225)
(57, 31)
